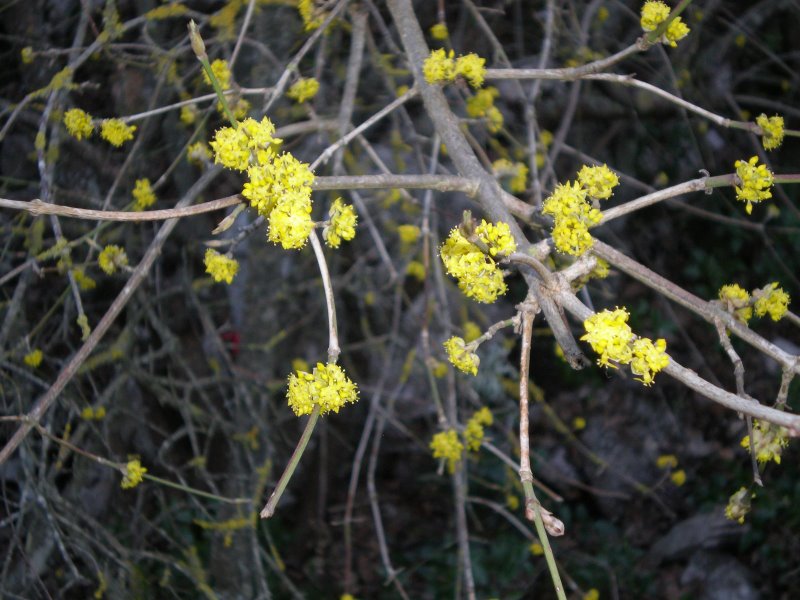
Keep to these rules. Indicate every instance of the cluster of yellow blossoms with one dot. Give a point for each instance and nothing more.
(478, 273)
(572, 212)
(739, 505)
(768, 441)
(462, 355)
(133, 474)
(112, 258)
(517, 171)
(439, 32)
(303, 89)
(221, 267)
(143, 195)
(773, 130)
(756, 181)
(654, 13)
(447, 444)
(33, 358)
(79, 124)
(481, 106)
(341, 225)
(611, 337)
(312, 16)
(770, 299)
(279, 186)
(443, 67)
(327, 387)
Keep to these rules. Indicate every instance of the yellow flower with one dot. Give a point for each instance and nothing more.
(473, 432)
(739, 505)
(572, 216)
(471, 331)
(311, 15)
(409, 234)
(133, 474)
(446, 445)
(592, 594)
(773, 300)
(773, 130)
(610, 336)
(471, 67)
(78, 123)
(768, 441)
(599, 181)
(143, 195)
(83, 280)
(188, 115)
(327, 387)
(290, 221)
(220, 267)
(518, 172)
(250, 143)
(27, 55)
(461, 356)
(221, 71)
(303, 89)
(654, 13)
(667, 461)
(198, 153)
(755, 182)
(277, 180)
(648, 359)
(497, 237)
(112, 258)
(165, 11)
(439, 31)
(33, 358)
(578, 423)
(115, 132)
(678, 477)
(737, 301)
(536, 549)
(416, 270)
(439, 67)
(343, 220)
(481, 105)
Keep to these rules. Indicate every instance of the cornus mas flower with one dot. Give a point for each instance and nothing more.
(443, 67)
(599, 181)
(327, 387)
(517, 171)
(648, 359)
(471, 67)
(283, 176)
(134, 472)
(773, 300)
(115, 132)
(610, 336)
(737, 301)
(573, 216)
(481, 105)
(112, 258)
(773, 130)
(439, 31)
(220, 267)
(33, 358)
(739, 505)
(479, 276)
(303, 89)
(143, 195)
(221, 71)
(655, 13)
(252, 142)
(290, 221)
(473, 432)
(342, 225)
(755, 182)
(461, 356)
(768, 441)
(446, 445)
(78, 123)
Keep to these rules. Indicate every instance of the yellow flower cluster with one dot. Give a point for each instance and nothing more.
(439, 32)
(768, 441)
(303, 89)
(773, 130)
(479, 276)
(443, 67)
(166, 11)
(84, 282)
(481, 106)
(755, 182)
(327, 387)
(736, 300)
(220, 267)
(279, 187)
(739, 505)
(198, 153)
(517, 171)
(93, 414)
(133, 474)
(143, 195)
(115, 132)
(342, 223)
(409, 234)
(112, 258)
(311, 15)
(78, 123)
(33, 358)
(598, 181)
(654, 13)
(446, 445)
(473, 432)
(462, 356)
(221, 71)
(572, 216)
(611, 337)
(27, 55)
(773, 300)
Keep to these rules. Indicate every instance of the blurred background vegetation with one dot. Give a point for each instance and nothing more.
(191, 376)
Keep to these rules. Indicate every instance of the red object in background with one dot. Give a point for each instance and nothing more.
(233, 341)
